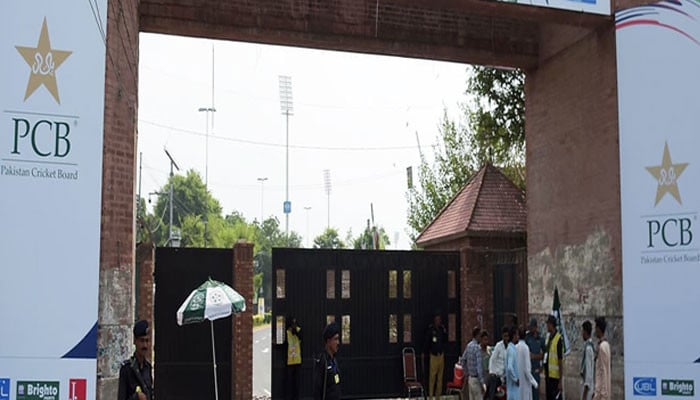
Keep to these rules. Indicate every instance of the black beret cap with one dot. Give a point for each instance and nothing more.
(330, 331)
(141, 328)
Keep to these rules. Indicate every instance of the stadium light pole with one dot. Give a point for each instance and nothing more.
(327, 184)
(207, 110)
(287, 107)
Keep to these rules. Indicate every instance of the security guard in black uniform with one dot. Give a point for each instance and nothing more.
(326, 371)
(135, 380)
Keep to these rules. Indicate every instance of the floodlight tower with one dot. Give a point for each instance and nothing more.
(287, 107)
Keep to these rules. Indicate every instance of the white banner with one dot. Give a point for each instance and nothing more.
(658, 64)
(588, 6)
(52, 79)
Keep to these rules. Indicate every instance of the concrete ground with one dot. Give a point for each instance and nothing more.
(262, 360)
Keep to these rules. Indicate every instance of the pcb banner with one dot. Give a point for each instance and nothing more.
(52, 80)
(658, 64)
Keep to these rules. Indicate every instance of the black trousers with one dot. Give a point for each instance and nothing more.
(291, 384)
(552, 388)
(491, 385)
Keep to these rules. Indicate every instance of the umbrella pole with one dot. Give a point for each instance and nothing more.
(213, 352)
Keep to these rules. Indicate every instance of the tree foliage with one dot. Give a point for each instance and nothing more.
(329, 239)
(366, 239)
(198, 217)
(492, 130)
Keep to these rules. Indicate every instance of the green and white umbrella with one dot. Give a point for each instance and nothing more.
(211, 300)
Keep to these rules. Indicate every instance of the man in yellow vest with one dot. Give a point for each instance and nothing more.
(291, 388)
(553, 360)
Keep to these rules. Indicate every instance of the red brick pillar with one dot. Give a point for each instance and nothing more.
(116, 300)
(145, 257)
(242, 354)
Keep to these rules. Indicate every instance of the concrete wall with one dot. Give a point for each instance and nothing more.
(116, 300)
(573, 187)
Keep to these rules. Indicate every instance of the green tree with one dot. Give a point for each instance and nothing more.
(492, 130)
(192, 231)
(269, 235)
(329, 239)
(451, 169)
(147, 224)
(366, 239)
(190, 197)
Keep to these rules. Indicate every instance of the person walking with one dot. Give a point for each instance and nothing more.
(603, 382)
(527, 382)
(291, 387)
(135, 379)
(587, 362)
(497, 365)
(485, 353)
(436, 337)
(535, 343)
(326, 370)
(553, 360)
(512, 373)
(472, 365)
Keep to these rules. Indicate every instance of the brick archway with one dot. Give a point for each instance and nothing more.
(571, 114)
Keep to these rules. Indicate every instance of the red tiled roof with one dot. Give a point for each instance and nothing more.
(489, 203)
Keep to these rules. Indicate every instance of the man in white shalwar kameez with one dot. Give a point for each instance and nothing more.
(525, 378)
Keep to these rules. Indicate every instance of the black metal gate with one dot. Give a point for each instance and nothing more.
(505, 297)
(183, 355)
(383, 301)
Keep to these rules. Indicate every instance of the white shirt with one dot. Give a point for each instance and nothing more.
(527, 381)
(497, 363)
(587, 365)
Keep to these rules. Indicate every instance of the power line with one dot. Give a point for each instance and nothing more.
(281, 145)
(343, 183)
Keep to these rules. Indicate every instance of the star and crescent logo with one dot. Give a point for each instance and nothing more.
(667, 175)
(43, 61)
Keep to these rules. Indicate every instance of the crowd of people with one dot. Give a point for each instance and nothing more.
(512, 369)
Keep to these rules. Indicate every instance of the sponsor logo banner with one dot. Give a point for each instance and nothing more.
(644, 386)
(4, 389)
(678, 387)
(77, 389)
(29, 390)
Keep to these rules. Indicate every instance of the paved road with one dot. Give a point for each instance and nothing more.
(262, 360)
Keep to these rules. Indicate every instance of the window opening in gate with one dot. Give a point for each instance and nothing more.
(393, 278)
(345, 331)
(330, 319)
(280, 284)
(407, 328)
(406, 284)
(279, 329)
(330, 284)
(451, 285)
(393, 329)
(345, 283)
(452, 327)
